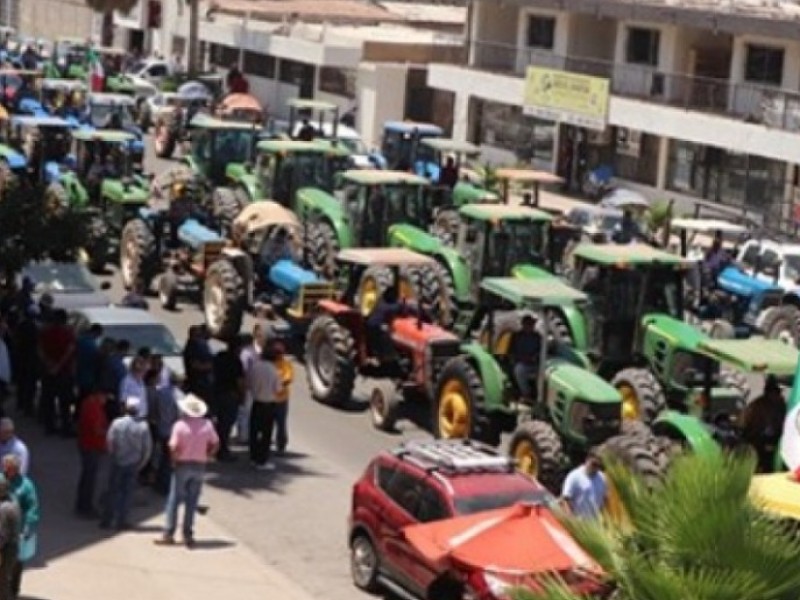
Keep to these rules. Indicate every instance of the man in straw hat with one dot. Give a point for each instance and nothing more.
(192, 443)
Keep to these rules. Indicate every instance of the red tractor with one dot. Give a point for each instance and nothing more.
(377, 330)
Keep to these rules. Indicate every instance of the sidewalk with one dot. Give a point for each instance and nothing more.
(79, 561)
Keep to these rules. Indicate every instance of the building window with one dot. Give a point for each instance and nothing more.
(764, 65)
(223, 56)
(299, 74)
(506, 127)
(541, 32)
(341, 82)
(636, 156)
(642, 46)
(260, 65)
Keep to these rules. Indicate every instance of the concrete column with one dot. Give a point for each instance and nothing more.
(663, 163)
(461, 124)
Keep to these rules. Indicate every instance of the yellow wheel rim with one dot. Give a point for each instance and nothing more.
(527, 459)
(631, 411)
(454, 414)
(368, 295)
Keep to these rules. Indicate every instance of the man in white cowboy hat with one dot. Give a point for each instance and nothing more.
(192, 443)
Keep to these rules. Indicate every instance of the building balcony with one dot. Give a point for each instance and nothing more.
(772, 107)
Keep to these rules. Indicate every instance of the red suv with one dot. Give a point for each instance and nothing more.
(423, 481)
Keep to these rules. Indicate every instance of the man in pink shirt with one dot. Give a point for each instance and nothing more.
(192, 443)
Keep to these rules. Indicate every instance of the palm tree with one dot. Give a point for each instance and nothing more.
(696, 536)
(107, 8)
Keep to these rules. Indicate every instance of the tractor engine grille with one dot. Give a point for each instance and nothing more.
(596, 422)
(309, 296)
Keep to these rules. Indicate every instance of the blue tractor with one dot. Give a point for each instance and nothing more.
(401, 149)
(261, 267)
(117, 112)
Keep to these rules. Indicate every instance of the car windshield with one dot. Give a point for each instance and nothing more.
(101, 115)
(60, 279)
(154, 336)
(470, 505)
(792, 265)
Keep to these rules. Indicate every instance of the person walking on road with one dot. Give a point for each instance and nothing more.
(92, 432)
(10, 528)
(88, 359)
(198, 362)
(264, 385)
(11, 444)
(229, 386)
(192, 443)
(252, 345)
(163, 415)
(57, 347)
(281, 410)
(133, 385)
(585, 489)
(24, 492)
(129, 447)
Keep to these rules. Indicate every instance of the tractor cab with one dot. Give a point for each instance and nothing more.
(18, 89)
(285, 166)
(528, 181)
(116, 81)
(443, 150)
(401, 146)
(116, 112)
(216, 144)
(44, 141)
(240, 107)
(495, 240)
(65, 98)
(374, 200)
(312, 119)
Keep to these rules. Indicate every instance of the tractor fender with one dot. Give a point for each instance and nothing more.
(14, 159)
(78, 196)
(576, 321)
(492, 375)
(243, 176)
(316, 205)
(688, 429)
(465, 192)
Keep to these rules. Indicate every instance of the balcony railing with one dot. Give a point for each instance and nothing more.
(770, 106)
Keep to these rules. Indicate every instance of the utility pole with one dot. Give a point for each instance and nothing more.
(194, 26)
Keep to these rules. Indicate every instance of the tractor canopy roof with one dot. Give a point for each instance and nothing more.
(389, 257)
(305, 104)
(628, 255)
(109, 136)
(63, 84)
(449, 146)
(262, 214)
(375, 177)
(754, 355)
(204, 121)
(298, 147)
(71, 39)
(111, 51)
(21, 72)
(527, 176)
(29, 121)
(411, 127)
(503, 212)
(707, 226)
(533, 293)
(110, 99)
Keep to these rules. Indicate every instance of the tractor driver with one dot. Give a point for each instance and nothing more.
(762, 423)
(448, 176)
(525, 350)
(307, 132)
(378, 337)
(715, 260)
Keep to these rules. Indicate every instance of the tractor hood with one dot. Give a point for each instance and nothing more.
(528, 271)
(415, 238)
(290, 277)
(682, 334)
(582, 384)
(128, 193)
(737, 282)
(194, 234)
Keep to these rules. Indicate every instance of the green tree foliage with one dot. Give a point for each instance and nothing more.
(30, 230)
(696, 536)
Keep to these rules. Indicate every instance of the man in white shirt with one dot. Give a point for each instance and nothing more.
(263, 385)
(133, 386)
(250, 352)
(11, 444)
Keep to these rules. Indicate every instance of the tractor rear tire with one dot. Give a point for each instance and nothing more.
(410, 285)
(459, 393)
(445, 226)
(374, 282)
(164, 138)
(637, 454)
(539, 453)
(330, 361)
(439, 293)
(647, 394)
(226, 208)
(780, 323)
(137, 247)
(736, 380)
(223, 300)
(322, 248)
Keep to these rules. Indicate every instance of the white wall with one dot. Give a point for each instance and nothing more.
(381, 97)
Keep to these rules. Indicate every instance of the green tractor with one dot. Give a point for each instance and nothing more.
(117, 191)
(572, 409)
(282, 167)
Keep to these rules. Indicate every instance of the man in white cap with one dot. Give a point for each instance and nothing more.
(129, 447)
(192, 444)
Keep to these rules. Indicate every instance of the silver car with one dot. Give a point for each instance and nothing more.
(71, 285)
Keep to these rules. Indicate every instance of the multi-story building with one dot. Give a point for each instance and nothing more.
(692, 100)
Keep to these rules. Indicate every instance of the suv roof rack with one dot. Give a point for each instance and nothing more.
(454, 455)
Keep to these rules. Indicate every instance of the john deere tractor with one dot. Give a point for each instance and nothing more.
(572, 409)
(262, 267)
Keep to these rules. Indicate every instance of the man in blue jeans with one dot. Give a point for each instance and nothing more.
(129, 447)
(193, 442)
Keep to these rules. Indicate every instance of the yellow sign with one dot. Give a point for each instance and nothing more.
(566, 97)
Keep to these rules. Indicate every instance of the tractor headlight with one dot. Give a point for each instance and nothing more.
(578, 415)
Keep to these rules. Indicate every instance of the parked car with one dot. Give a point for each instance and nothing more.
(419, 482)
(597, 224)
(71, 285)
(139, 327)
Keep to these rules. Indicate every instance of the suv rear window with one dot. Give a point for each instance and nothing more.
(469, 505)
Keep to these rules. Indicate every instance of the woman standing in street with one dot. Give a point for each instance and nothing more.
(24, 492)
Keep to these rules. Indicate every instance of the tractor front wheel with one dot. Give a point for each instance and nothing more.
(223, 300)
(374, 282)
(384, 405)
(539, 453)
(459, 392)
(136, 248)
(642, 395)
(780, 323)
(330, 361)
(168, 290)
